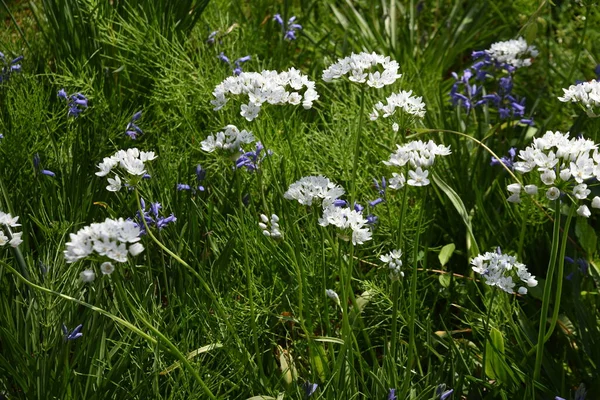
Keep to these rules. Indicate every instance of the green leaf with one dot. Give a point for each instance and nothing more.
(446, 253)
(444, 280)
(586, 235)
(462, 211)
(494, 356)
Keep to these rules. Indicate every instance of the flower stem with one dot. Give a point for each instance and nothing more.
(413, 305)
(357, 137)
(547, 293)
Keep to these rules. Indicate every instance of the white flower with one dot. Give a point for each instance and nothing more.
(548, 176)
(417, 154)
(87, 275)
(114, 185)
(397, 181)
(270, 87)
(553, 193)
(514, 52)
(16, 239)
(310, 188)
(345, 218)
(3, 238)
(108, 239)
(395, 127)
(272, 231)
(596, 202)
(581, 191)
(404, 100)
(584, 211)
(231, 138)
(13, 238)
(587, 94)
(357, 67)
(333, 296)
(107, 268)
(531, 190)
(418, 177)
(499, 269)
(9, 220)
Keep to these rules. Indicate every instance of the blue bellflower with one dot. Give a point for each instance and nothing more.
(9, 67)
(152, 217)
(74, 334)
(37, 165)
(290, 28)
(309, 388)
(237, 64)
(251, 159)
(132, 129)
(77, 102)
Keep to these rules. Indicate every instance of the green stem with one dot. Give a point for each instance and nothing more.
(486, 332)
(392, 355)
(357, 137)
(559, 276)
(547, 293)
(413, 304)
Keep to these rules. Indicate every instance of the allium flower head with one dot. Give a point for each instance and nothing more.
(347, 219)
(562, 164)
(108, 239)
(266, 87)
(513, 52)
(231, 138)
(403, 100)
(130, 161)
(310, 188)
(418, 156)
(270, 226)
(499, 269)
(586, 94)
(7, 222)
(358, 66)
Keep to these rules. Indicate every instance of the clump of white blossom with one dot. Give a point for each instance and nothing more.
(499, 269)
(130, 161)
(310, 188)
(404, 100)
(112, 239)
(230, 138)
(358, 66)
(266, 87)
(563, 165)
(270, 227)
(419, 156)
(394, 262)
(7, 222)
(586, 94)
(514, 52)
(346, 218)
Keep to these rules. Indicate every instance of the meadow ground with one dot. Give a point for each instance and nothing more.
(334, 199)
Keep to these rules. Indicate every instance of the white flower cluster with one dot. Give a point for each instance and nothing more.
(514, 52)
(392, 259)
(346, 218)
(231, 138)
(357, 65)
(563, 164)
(587, 94)
(333, 296)
(13, 238)
(266, 87)
(108, 239)
(405, 100)
(499, 269)
(272, 231)
(130, 160)
(310, 188)
(419, 156)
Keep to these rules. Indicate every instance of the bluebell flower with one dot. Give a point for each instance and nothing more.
(309, 388)
(237, 64)
(183, 186)
(212, 37)
(132, 129)
(442, 392)
(375, 202)
(392, 394)
(508, 161)
(224, 58)
(77, 102)
(200, 176)
(47, 173)
(372, 219)
(152, 217)
(290, 28)
(74, 334)
(358, 207)
(37, 165)
(340, 203)
(251, 159)
(9, 67)
(1, 136)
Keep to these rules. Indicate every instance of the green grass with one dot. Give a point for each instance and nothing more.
(260, 304)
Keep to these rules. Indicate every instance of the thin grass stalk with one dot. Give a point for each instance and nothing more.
(413, 303)
(486, 334)
(162, 339)
(14, 21)
(547, 293)
(202, 281)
